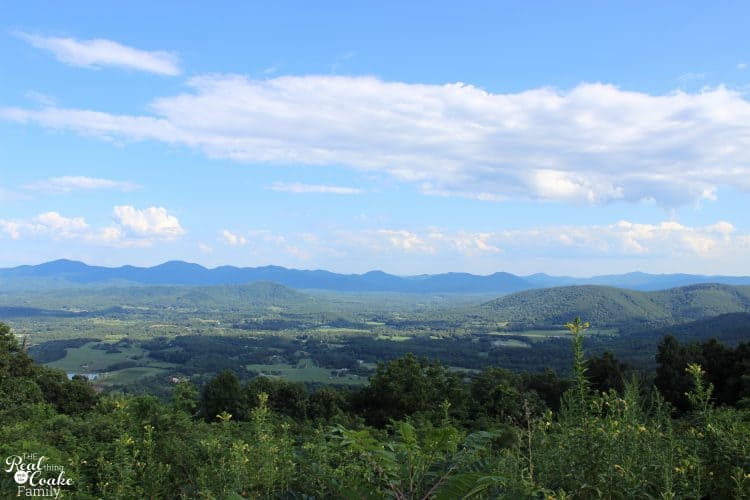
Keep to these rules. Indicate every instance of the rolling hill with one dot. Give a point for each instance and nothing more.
(258, 296)
(605, 306)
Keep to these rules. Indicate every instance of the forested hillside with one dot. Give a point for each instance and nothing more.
(614, 306)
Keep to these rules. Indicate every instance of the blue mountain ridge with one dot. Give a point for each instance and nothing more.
(76, 273)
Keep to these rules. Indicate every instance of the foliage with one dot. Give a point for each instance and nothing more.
(438, 435)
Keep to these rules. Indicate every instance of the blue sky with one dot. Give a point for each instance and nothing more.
(571, 138)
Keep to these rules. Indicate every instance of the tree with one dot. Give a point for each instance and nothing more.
(13, 358)
(284, 397)
(407, 387)
(495, 393)
(605, 372)
(222, 394)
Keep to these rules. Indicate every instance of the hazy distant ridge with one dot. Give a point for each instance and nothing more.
(61, 273)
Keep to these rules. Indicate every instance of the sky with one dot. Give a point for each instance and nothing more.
(572, 138)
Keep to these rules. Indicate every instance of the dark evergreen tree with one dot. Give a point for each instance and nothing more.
(606, 372)
(222, 394)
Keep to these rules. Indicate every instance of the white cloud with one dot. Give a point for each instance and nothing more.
(742, 66)
(151, 222)
(593, 144)
(468, 244)
(11, 228)
(299, 188)
(67, 184)
(61, 226)
(204, 248)
(621, 239)
(131, 228)
(665, 239)
(405, 241)
(49, 223)
(233, 238)
(101, 52)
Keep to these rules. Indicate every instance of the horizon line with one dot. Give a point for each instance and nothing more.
(178, 261)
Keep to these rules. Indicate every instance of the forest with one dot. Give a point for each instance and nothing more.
(416, 429)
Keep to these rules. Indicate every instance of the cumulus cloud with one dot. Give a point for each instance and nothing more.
(132, 227)
(149, 222)
(593, 143)
(62, 226)
(100, 52)
(49, 223)
(67, 184)
(233, 238)
(405, 241)
(11, 228)
(299, 188)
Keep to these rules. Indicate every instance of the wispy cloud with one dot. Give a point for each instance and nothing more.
(299, 188)
(591, 144)
(100, 52)
(341, 61)
(742, 66)
(67, 184)
(40, 98)
(691, 77)
(8, 195)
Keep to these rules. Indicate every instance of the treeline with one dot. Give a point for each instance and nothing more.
(407, 387)
(417, 430)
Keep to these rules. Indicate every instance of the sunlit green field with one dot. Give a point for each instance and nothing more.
(89, 360)
(541, 334)
(86, 359)
(510, 343)
(394, 338)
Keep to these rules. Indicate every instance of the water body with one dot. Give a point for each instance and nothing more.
(90, 376)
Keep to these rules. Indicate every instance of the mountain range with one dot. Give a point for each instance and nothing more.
(67, 273)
